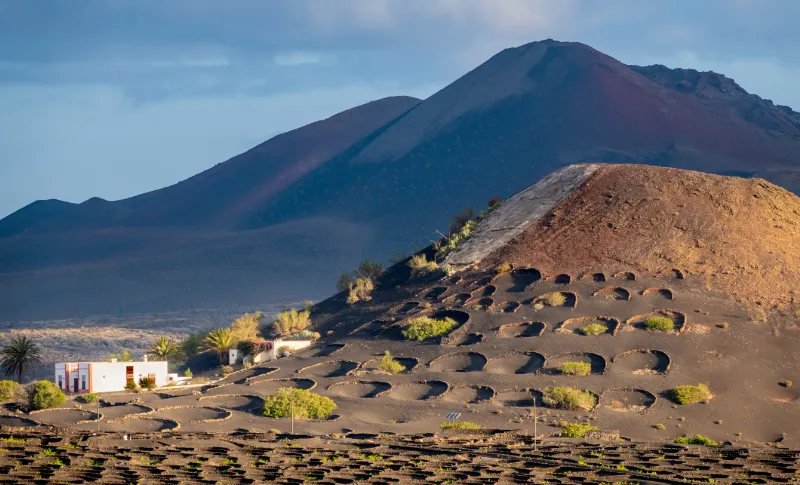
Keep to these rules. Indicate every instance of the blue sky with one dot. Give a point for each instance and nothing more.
(112, 98)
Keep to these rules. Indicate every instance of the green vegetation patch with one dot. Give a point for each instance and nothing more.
(420, 266)
(422, 328)
(10, 390)
(575, 368)
(361, 290)
(569, 398)
(594, 329)
(659, 324)
(390, 364)
(555, 299)
(291, 321)
(46, 395)
(696, 440)
(460, 425)
(690, 394)
(576, 430)
(306, 404)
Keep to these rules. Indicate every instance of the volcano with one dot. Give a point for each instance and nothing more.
(283, 219)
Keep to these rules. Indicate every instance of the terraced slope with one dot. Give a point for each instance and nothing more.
(507, 348)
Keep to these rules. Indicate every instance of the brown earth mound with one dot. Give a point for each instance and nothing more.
(738, 235)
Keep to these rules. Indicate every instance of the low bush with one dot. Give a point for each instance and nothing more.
(575, 368)
(456, 239)
(147, 383)
(594, 329)
(306, 404)
(131, 386)
(696, 440)
(226, 369)
(420, 266)
(304, 335)
(344, 281)
(503, 268)
(292, 321)
(568, 398)
(460, 425)
(576, 430)
(555, 299)
(690, 394)
(46, 395)
(659, 324)
(90, 398)
(284, 351)
(361, 290)
(369, 269)
(422, 328)
(10, 390)
(187, 372)
(390, 365)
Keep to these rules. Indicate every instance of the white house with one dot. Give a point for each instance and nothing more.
(80, 377)
(271, 353)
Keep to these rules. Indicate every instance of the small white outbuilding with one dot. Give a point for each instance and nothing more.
(84, 377)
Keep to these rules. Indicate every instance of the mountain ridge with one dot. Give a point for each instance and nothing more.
(393, 170)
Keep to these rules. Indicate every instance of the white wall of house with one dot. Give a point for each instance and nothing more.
(106, 376)
(112, 376)
(272, 354)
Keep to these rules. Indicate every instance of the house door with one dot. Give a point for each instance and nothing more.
(129, 373)
(75, 385)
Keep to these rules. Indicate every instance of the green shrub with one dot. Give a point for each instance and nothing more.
(460, 425)
(131, 386)
(575, 368)
(361, 290)
(193, 343)
(292, 321)
(568, 398)
(369, 269)
(90, 398)
(696, 440)
(10, 390)
(555, 299)
(503, 268)
(422, 328)
(456, 239)
(187, 372)
(594, 329)
(344, 281)
(390, 365)
(147, 383)
(659, 324)
(576, 430)
(226, 369)
(420, 265)
(690, 394)
(46, 395)
(307, 405)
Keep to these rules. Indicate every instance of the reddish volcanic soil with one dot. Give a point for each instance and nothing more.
(740, 236)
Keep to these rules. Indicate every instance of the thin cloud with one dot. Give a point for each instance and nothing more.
(302, 58)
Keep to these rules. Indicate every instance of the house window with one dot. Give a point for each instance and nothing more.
(83, 382)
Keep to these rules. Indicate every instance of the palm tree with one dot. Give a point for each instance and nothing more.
(220, 340)
(19, 355)
(164, 349)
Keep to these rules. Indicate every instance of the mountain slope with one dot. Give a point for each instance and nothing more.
(739, 235)
(395, 171)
